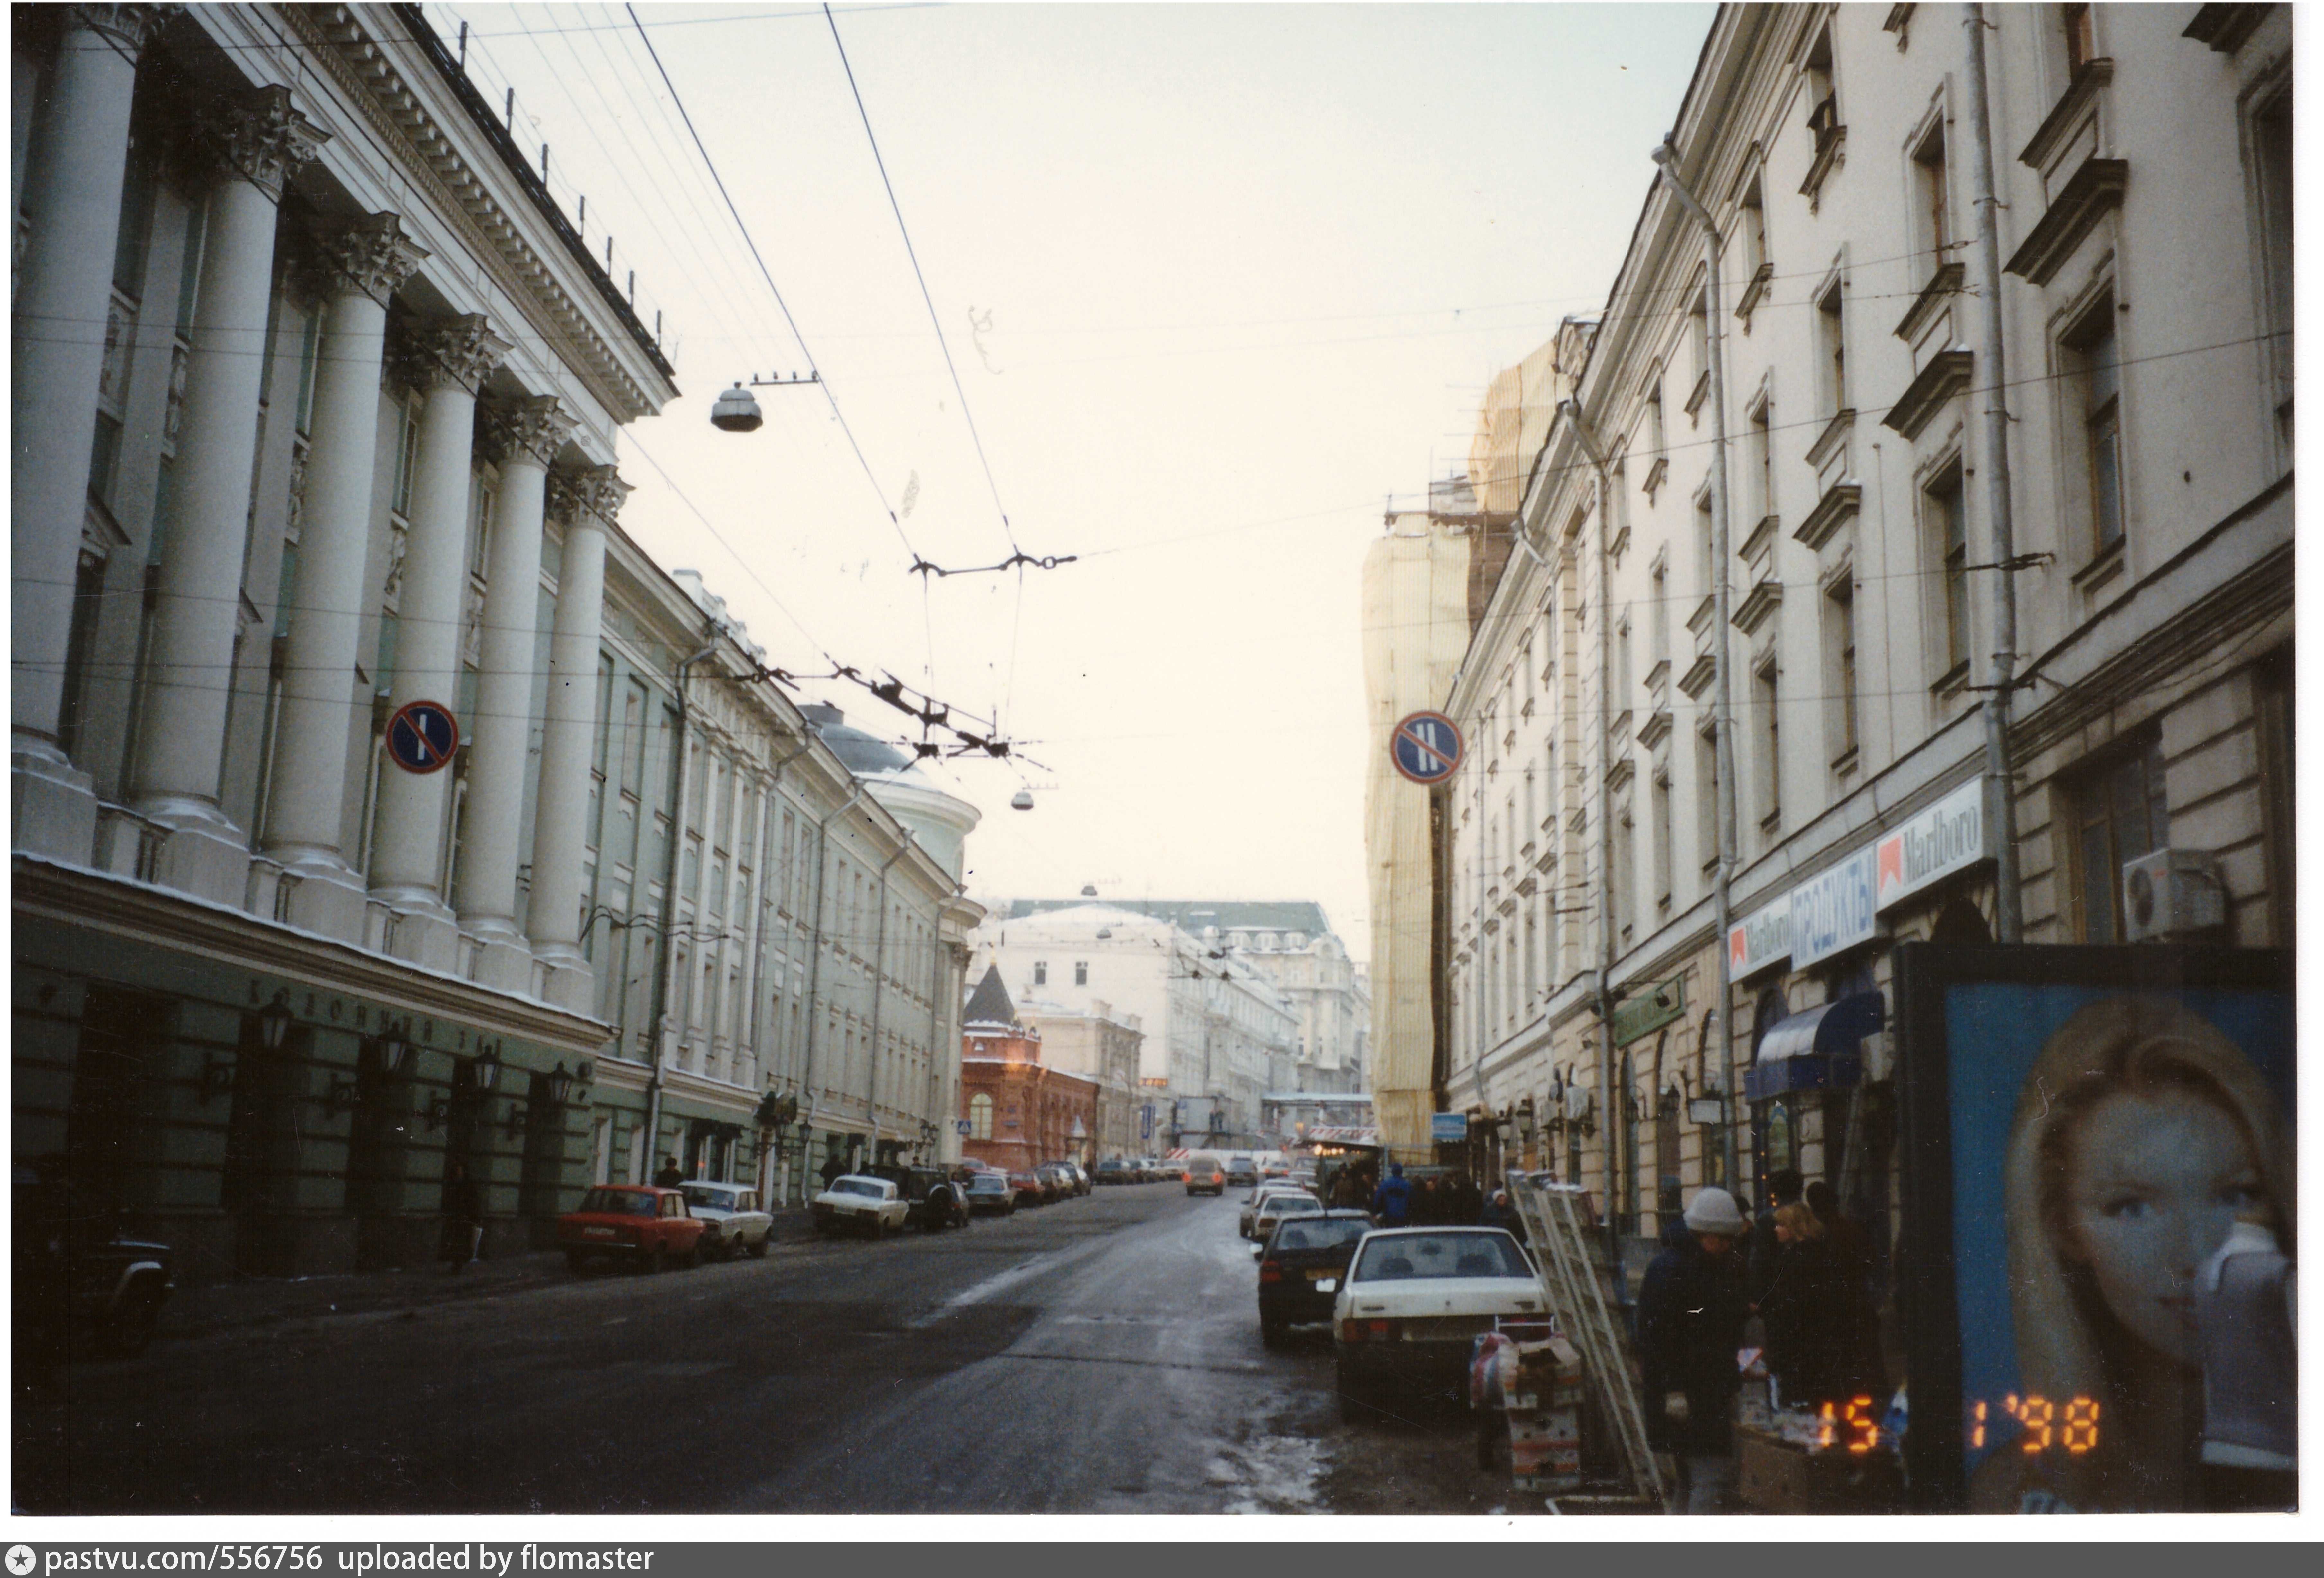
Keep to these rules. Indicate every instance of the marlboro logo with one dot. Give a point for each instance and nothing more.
(1947, 837)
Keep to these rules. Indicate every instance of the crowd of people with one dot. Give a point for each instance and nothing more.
(1438, 1198)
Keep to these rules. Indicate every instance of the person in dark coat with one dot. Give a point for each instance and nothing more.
(1810, 1313)
(834, 1167)
(1468, 1200)
(1689, 1318)
(1392, 1201)
(463, 1232)
(670, 1175)
(1498, 1213)
(1783, 1188)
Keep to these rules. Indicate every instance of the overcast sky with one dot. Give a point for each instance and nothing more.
(1216, 281)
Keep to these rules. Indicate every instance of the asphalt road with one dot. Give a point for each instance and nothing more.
(1098, 1355)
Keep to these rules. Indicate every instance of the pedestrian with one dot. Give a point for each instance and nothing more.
(1428, 1204)
(1498, 1213)
(834, 1169)
(1690, 1312)
(1783, 1188)
(669, 1177)
(1468, 1199)
(1807, 1311)
(1392, 1201)
(463, 1234)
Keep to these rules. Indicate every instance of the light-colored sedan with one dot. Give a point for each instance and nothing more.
(854, 1202)
(1257, 1199)
(735, 1221)
(1278, 1205)
(1413, 1299)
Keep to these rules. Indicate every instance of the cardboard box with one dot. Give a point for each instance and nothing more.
(1773, 1475)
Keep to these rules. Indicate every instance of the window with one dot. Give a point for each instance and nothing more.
(1654, 430)
(1698, 332)
(1622, 674)
(406, 450)
(1766, 704)
(1662, 807)
(979, 1116)
(2081, 44)
(2271, 171)
(2094, 388)
(1660, 614)
(80, 645)
(1081, 972)
(1759, 463)
(1705, 547)
(1755, 227)
(2274, 681)
(1839, 667)
(1932, 214)
(2119, 814)
(1942, 507)
(1831, 353)
(1706, 795)
(1040, 971)
(1625, 875)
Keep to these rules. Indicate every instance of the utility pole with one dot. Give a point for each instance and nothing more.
(1724, 708)
(2001, 674)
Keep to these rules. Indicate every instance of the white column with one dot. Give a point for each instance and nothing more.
(585, 502)
(257, 139)
(64, 283)
(368, 261)
(448, 363)
(527, 433)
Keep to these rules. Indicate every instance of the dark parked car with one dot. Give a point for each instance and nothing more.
(1116, 1171)
(80, 1279)
(1300, 1266)
(1055, 1180)
(933, 1197)
(991, 1195)
(646, 1228)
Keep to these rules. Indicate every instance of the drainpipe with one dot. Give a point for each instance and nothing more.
(1724, 708)
(880, 988)
(2001, 676)
(668, 909)
(767, 903)
(1588, 440)
(814, 962)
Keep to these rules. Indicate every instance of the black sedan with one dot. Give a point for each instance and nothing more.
(1300, 1266)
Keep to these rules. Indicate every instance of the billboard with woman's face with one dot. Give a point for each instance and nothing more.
(2099, 1236)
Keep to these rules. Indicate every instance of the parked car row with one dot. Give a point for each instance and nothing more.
(1138, 1169)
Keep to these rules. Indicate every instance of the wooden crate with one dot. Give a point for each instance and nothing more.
(1773, 1475)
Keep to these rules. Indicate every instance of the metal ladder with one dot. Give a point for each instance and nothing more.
(1573, 1284)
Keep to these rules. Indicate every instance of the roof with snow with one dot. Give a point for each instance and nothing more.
(989, 1004)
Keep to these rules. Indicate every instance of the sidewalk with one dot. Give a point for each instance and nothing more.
(263, 1301)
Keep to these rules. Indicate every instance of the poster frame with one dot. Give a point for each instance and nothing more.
(1927, 1288)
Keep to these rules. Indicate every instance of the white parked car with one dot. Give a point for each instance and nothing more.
(854, 1202)
(1257, 1202)
(1278, 1205)
(1413, 1300)
(736, 1222)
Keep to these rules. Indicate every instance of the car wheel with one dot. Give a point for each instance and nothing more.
(1271, 1333)
(693, 1255)
(657, 1260)
(576, 1261)
(759, 1249)
(131, 1330)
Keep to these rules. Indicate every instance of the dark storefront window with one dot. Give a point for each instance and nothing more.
(2119, 814)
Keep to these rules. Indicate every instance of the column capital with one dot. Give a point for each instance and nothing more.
(594, 490)
(259, 134)
(371, 256)
(449, 353)
(128, 28)
(532, 427)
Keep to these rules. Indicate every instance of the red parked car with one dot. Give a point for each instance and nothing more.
(649, 1228)
(1031, 1190)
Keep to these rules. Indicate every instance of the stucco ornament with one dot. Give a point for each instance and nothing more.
(371, 255)
(533, 426)
(128, 28)
(259, 134)
(453, 352)
(596, 490)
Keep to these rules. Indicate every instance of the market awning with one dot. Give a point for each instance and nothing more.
(1338, 1136)
(1817, 1050)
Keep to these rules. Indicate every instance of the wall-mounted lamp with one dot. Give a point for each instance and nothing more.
(488, 1070)
(217, 1077)
(274, 1023)
(513, 1124)
(560, 1085)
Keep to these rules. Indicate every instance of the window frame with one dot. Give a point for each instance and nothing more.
(2092, 803)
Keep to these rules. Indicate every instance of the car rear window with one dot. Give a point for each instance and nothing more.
(857, 1187)
(617, 1202)
(1291, 1205)
(1319, 1236)
(715, 1199)
(1440, 1254)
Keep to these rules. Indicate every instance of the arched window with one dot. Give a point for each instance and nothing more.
(1627, 1166)
(1667, 1183)
(979, 1116)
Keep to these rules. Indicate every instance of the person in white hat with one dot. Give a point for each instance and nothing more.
(1689, 1323)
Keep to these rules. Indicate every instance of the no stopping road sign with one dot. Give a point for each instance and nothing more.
(1427, 747)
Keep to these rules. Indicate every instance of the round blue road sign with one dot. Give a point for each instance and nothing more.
(421, 736)
(1427, 747)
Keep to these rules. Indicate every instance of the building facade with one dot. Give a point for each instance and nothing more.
(2141, 157)
(346, 791)
(1018, 1109)
(1099, 1046)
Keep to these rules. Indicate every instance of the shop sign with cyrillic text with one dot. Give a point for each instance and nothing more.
(1833, 910)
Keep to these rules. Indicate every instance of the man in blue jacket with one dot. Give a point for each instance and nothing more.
(1392, 1201)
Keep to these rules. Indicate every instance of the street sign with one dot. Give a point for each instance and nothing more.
(960, 1127)
(1448, 1128)
(1425, 748)
(1146, 1121)
(421, 736)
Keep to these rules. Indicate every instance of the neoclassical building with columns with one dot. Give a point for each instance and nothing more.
(314, 406)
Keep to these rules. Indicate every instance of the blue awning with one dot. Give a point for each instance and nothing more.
(1821, 1048)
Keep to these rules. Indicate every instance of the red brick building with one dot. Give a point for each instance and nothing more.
(1019, 1111)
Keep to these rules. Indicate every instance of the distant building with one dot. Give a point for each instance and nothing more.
(1019, 1111)
(1096, 1044)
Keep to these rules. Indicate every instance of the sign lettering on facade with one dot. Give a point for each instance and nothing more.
(1448, 1128)
(1947, 837)
(1649, 1010)
(1760, 939)
(1834, 910)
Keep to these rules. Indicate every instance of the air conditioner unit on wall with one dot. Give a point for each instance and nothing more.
(2171, 893)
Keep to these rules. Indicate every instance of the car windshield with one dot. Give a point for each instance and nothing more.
(986, 1183)
(864, 1187)
(617, 1202)
(1408, 1256)
(1319, 1236)
(716, 1199)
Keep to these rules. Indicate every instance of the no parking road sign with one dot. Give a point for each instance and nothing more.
(1427, 747)
(421, 736)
